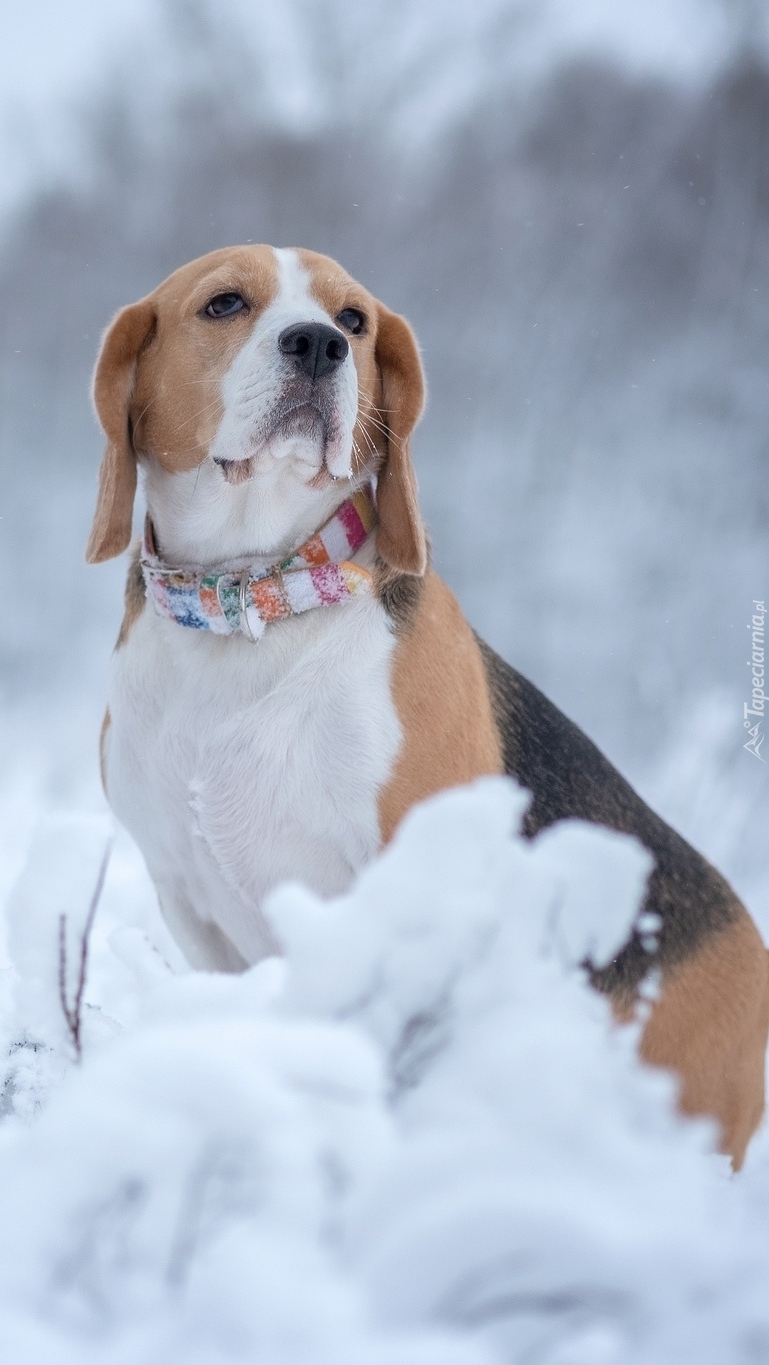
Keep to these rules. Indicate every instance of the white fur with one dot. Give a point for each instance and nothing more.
(236, 766)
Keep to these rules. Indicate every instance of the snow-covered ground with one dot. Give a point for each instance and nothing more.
(415, 1138)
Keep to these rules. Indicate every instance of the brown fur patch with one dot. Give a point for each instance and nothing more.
(135, 597)
(176, 405)
(103, 748)
(157, 379)
(399, 593)
(710, 1026)
(401, 537)
(113, 387)
(440, 693)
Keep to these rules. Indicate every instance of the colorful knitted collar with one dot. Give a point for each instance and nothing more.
(318, 574)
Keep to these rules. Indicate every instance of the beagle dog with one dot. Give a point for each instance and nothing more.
(291, 677)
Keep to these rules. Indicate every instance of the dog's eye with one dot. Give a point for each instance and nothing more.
(352, 320)
(224, 305)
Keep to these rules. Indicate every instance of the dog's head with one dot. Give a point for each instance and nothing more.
(256, 387)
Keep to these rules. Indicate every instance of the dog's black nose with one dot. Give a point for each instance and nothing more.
(315, 348)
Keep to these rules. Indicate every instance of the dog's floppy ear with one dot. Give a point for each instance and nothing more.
(401, 537)
(113, 387)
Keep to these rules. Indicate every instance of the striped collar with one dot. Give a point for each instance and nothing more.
(318, 574)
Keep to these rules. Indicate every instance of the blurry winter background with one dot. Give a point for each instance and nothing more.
(571, 204)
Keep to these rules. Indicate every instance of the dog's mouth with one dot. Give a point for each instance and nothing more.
(302, 422)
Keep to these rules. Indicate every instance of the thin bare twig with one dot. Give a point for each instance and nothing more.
(74, 1013)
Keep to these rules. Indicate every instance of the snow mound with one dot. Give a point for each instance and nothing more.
(416, 1139)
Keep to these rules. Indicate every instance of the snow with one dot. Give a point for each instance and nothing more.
(416, 1137)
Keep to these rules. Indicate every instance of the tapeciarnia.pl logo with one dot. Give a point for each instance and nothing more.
(755, 707)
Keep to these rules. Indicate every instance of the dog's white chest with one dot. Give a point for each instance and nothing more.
(237, 766)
